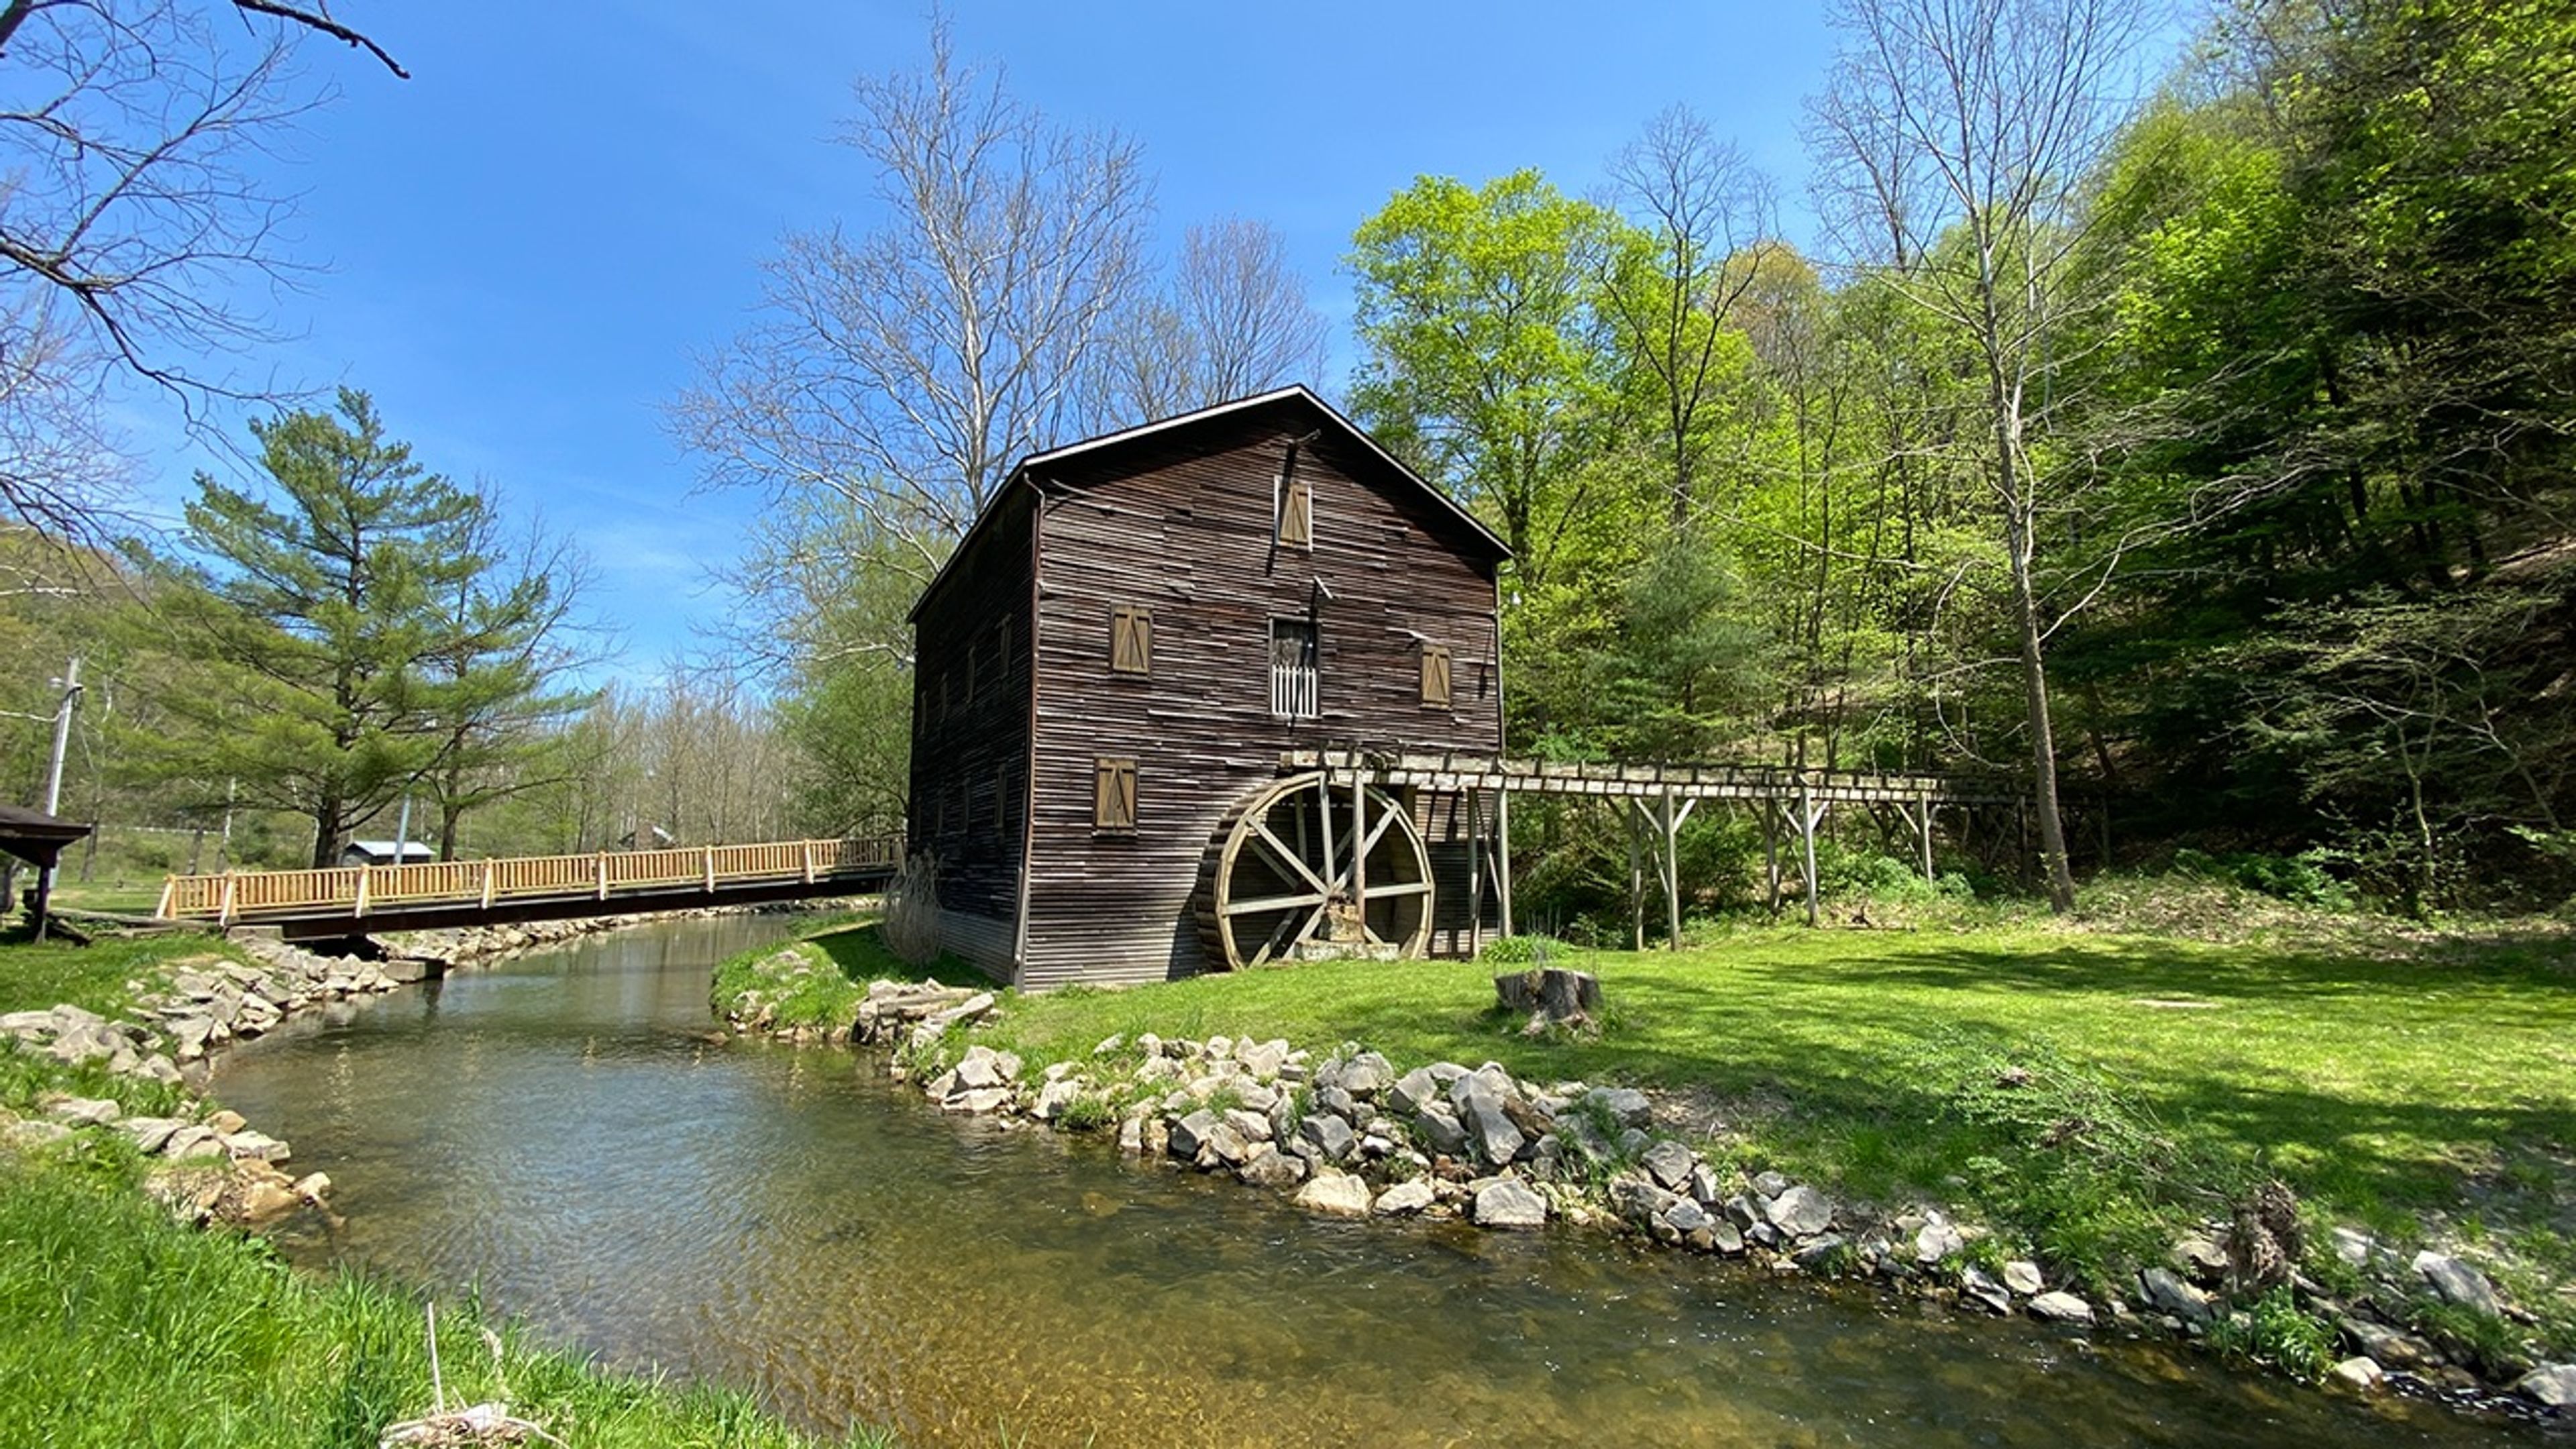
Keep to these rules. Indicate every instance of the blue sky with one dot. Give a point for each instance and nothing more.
(524, 247)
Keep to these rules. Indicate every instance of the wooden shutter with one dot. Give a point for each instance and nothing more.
(1131, 639)
(1435, 675)
(1113, 794)
(1296, 512)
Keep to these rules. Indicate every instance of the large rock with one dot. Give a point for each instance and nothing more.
(1056, 1098)
(1261, 1060)
(1490, 1130)
(2392, 1347)
(2169, 1294)
(1191, 1132)
(1366, 1075)
(1801, 1211)
(1329, 1135)
(1508, 1202)
(1269, 1167)
(150, 1134)
(1414, 1091)
(2552, 1386)
(249, 1146)
(1670, 1164)
(85, 1111)
(2362, 1374)
(2457, 1282)
(1937, 1239)
(1627, 1107)
(2022, 1276)
(1440, 1130)
(1335, 1194)
(1252, 1126)
(1405, 1198)
(1638, 1200)
(2061, 1307)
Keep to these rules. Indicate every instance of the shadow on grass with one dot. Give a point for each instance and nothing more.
(2353, 1083)
(862, 956)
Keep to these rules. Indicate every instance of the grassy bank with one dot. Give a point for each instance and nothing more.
(2095, 1095)
(121, 1326)
(816, 982)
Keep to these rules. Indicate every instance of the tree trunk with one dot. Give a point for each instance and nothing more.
(2043, 739)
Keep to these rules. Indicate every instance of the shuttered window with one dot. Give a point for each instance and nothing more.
(1131, 639)
(1294, 683)
(1435, 675)
(1296, 512)
(1113, 794)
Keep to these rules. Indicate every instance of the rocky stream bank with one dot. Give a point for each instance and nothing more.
(209, 1163)
(1346, 1132)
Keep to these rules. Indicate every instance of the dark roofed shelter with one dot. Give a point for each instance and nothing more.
(38, 839)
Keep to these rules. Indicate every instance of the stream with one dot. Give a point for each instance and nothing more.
(568, 1134)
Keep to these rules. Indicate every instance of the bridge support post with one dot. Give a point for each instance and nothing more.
(1503, 839)
(487, 885)
(1810, 814)
(711, 870)
(1476, 844)
(602, 859)
(365, 874)
(1629, 813)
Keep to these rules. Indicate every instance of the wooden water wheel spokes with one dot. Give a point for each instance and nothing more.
(1317, 867)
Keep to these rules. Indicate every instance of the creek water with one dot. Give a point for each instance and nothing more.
(567, 1134)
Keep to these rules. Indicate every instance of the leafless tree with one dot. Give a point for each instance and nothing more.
(1709, 218)
(906, 367)
(1234, 321)
(1960, 135)
(131, 220)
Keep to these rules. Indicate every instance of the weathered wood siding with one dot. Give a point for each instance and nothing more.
(970, 736)
(1183, 523)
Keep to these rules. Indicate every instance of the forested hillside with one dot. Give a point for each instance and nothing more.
(2185, 440)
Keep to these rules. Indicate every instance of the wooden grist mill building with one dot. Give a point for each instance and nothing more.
(1131, 637)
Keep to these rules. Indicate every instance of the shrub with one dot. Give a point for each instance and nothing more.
(2300, 879)
(1525, 950)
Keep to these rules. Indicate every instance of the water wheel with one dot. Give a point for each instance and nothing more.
(1291, 878)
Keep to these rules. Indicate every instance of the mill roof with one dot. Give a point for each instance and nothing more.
(1109, 444)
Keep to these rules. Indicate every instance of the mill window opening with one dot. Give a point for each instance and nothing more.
(1294, 686)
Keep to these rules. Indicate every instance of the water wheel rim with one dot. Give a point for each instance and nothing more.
(1283, 875)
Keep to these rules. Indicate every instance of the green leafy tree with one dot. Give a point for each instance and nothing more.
(1487, 358)
(350, 628)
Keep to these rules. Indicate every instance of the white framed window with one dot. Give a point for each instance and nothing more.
(1295, 687)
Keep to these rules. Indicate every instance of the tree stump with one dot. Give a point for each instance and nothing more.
(1551, 995)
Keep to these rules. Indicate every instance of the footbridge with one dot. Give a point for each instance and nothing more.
(349, 900)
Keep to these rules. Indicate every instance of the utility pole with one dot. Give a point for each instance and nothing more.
(71, 687)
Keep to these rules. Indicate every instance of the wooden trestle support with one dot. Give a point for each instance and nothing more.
(1283, 878)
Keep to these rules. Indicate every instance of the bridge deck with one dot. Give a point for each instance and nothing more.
(346, 899)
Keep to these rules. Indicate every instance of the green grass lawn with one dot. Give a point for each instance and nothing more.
(34, 976)
(120, 1327)
(2429, 1088)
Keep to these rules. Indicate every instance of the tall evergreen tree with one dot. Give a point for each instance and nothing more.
(352, 627)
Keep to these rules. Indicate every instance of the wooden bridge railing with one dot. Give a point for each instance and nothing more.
(602, 875)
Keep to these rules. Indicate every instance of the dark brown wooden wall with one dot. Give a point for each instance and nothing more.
(1183, 524)
(970, 750)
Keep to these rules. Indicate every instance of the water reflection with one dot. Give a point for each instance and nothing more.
(565, 1133)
